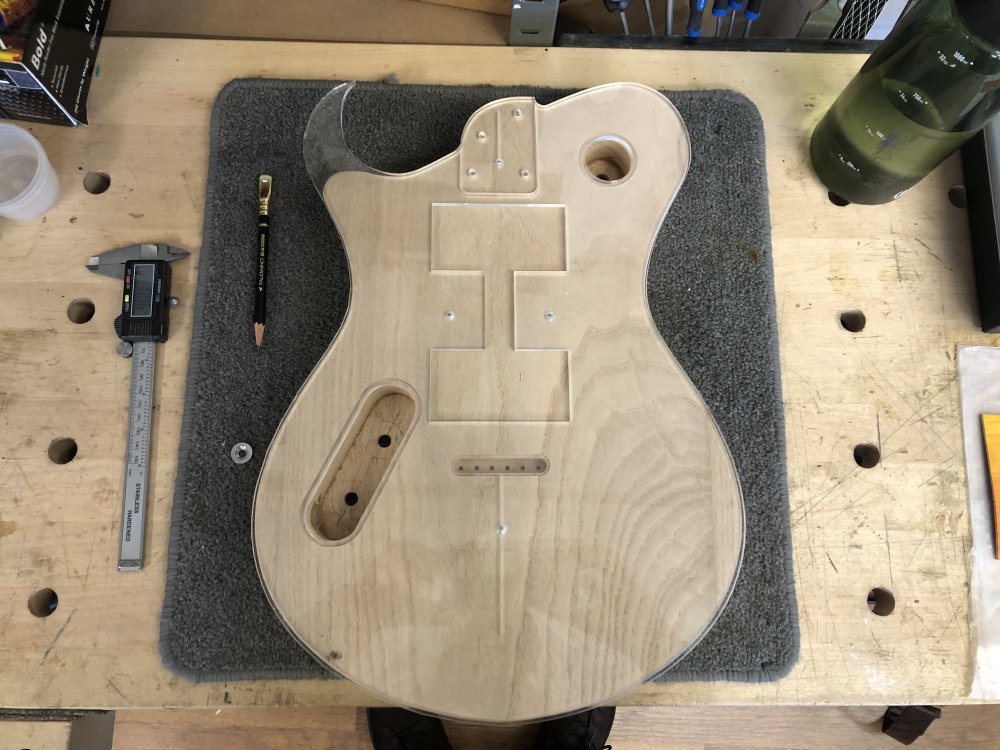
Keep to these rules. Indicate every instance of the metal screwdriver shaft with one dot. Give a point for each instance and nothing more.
(734, 5)
(619, 7)
(719, 10)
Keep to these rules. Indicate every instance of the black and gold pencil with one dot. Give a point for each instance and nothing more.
(263, 222)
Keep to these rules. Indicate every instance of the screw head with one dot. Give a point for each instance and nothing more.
(502, 529)
(525, 173)
(471, 172)
(517, 112)
(481, 135)
(498, 163)
(550, 315)
(449, 314)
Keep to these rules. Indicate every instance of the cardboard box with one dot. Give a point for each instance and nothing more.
(47, 54)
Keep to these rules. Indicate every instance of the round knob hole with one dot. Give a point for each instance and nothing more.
(853, 320)
(609, 160)
(96, 182)
(351, 498)
(42, 602)
(80, 311)
(384, 441)
(867, 455)
(881, 601)
(62, 450)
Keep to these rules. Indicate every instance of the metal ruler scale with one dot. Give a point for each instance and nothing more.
(140, 422)
(144, 321)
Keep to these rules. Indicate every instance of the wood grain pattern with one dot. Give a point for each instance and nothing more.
(510, 596)
(635, 728)
(497, 7)
(902, 524)
(34, 735)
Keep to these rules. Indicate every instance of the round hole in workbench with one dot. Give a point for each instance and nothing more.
(867, 455)
(42, 602)
(837, 200)
(853, 320)
(958, 196)
(351, 498)
(80, 311)
(96, 182)
(62, 450)
(384, 441)
(881, 601)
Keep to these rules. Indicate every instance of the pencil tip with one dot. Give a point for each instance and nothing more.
(258, 332)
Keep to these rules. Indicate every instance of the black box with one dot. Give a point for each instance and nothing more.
(50, 81)
(981, 163)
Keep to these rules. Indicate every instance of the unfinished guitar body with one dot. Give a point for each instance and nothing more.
(498, 497)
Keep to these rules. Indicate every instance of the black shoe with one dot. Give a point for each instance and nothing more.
(399, 729)
(585, 731)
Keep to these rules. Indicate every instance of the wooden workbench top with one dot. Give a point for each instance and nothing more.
(900, 525)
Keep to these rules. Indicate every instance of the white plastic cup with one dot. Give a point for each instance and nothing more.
(28, 184)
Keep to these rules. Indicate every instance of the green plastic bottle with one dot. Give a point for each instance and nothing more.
(929, 87)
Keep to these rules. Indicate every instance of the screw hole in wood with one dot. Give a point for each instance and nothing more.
(881, 601)
(853, 320)
(62, 450)
(96, 183)
(958, 197)
(867, 455)
(43, 602)
(80, 311)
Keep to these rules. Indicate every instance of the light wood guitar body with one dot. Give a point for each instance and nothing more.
(498, 497)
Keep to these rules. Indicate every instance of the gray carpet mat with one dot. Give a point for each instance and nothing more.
(710, 289)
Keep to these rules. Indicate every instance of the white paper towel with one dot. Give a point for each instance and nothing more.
(979, 379)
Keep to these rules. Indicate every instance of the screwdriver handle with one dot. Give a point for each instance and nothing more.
(735, 5)
(752, 11)
(720, 8)
(617, 6)
(694, 19)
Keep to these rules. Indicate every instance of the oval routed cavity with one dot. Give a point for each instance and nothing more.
(352, 477)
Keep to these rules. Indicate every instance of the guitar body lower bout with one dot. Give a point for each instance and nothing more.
(498, 497)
